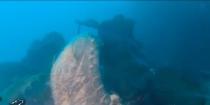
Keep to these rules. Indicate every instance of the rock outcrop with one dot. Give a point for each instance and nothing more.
(29, 77)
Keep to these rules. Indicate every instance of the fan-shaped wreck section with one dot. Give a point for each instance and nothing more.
(75, 77)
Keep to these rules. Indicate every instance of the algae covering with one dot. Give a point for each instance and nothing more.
(75, 76)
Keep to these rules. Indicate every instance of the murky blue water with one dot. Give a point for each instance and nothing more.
(153, 53)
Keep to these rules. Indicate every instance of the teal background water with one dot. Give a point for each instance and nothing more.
(23, 22)
(173, 34)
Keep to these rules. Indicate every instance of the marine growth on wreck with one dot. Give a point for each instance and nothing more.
(156, 56)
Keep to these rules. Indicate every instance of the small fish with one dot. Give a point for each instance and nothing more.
(18, 102)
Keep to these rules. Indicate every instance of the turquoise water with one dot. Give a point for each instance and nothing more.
(163, 59)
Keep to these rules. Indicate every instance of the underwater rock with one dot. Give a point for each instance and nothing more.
(29, 77)
(75, 76)
(43, 52)
(39, 61)
(170, 88)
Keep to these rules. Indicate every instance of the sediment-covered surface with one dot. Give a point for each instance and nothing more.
(75, 78)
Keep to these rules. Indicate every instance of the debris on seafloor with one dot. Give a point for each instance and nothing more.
(75, 77)
(18, 102)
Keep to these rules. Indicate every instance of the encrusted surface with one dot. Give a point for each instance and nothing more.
(75, 78)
